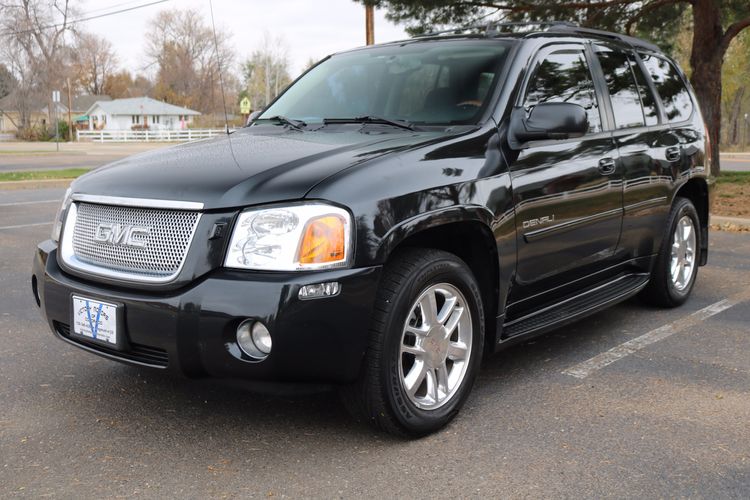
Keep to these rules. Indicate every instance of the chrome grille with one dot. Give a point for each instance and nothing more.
(159, 260)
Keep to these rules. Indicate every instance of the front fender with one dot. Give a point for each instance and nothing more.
(429, 220)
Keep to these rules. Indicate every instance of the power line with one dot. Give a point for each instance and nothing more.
(83, 19)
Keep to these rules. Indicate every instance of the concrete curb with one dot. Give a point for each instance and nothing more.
(34, 184)
(731, 222)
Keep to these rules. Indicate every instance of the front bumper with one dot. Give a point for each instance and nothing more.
(192, 330)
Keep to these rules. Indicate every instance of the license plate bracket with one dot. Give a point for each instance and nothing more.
(97, 321)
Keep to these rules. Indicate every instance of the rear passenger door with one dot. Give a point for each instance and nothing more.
(650, 151)
(644, 142)
(567, 193)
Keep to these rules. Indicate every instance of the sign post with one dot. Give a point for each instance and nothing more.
(245, 107)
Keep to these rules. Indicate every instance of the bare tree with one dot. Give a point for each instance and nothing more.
(93, 62)
(33, 47)
(181, 46)
(266, 72)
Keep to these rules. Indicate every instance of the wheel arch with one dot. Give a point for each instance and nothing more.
(464, 232)
(696, 190)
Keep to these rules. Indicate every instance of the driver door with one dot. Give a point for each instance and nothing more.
(567, 193)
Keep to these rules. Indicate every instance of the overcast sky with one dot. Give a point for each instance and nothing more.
(312, 28)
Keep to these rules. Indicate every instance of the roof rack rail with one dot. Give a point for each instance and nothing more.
(630, 40)
(492, 28)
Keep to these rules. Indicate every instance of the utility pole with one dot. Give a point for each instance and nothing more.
(70, 121)
(369, 25)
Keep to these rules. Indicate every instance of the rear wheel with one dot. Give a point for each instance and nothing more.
(676, 268)
(425, 345)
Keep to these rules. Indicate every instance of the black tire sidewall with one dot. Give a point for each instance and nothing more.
(456, 273)
(684, 208)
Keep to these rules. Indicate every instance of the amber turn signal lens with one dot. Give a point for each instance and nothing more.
(323, 240)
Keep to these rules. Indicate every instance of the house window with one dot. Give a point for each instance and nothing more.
(154, 119)
(136, 119)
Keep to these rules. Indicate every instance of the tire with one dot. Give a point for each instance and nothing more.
(663, 288)
(406, 341)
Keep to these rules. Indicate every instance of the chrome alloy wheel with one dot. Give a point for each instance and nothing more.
(683, 253)
(435, 346)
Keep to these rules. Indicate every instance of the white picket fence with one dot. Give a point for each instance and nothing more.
(147, 135)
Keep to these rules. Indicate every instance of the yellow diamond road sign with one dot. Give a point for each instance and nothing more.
(245, 106)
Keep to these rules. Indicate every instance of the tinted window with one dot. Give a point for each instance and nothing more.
(626, 102)
(564, 76)
(670, 87)
(423, 83)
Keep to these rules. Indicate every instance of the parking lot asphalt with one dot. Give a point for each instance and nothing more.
(633, 402)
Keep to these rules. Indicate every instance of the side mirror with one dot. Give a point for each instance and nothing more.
(252, 116)
(547, 120)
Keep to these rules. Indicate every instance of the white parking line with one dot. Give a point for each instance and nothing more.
(27, 203)
(26, 225)
(583, 370)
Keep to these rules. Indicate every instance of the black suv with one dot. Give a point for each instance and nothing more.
(397, 212)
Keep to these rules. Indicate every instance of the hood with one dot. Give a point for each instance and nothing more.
(253, 166)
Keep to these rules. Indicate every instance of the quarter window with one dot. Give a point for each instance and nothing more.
(623, 93)
(564, 76)
(671, 88)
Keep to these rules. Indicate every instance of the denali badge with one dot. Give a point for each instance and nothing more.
(538, 222)
(122, 234)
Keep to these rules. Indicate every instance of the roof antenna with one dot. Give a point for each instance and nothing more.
(218, 64)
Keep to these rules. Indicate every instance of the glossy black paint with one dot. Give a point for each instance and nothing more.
(546, 220)
(314, 340)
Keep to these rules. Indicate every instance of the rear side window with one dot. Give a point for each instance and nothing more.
(623, 92)
(671, 88)
(564, 76)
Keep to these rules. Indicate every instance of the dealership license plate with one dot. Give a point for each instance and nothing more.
(95, 319)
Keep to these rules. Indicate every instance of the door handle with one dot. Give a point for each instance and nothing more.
(607, 166)
(673, 153)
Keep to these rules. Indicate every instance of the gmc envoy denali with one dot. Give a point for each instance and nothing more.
(398, 212)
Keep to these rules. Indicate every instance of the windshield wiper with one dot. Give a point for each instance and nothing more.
(295, 124)
(371, 119)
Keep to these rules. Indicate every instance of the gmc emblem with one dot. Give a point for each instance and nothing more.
(122, 234)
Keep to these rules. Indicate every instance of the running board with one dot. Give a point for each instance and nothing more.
(575, 308)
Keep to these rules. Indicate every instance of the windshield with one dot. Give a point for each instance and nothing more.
(440, 83)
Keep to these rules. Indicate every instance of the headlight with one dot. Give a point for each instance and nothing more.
(58, 222)
(290, 238)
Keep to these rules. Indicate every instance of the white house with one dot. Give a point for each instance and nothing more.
(135, 112)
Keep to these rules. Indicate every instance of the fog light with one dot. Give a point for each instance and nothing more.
(254, 339)
(319, 290)
(261, 337)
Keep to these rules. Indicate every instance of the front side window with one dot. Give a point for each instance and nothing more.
(623, 92)
(431, 83)
(671, 88)
(564, 76)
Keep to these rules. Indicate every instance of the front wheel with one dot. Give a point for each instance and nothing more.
(676, 267)
(426, 341)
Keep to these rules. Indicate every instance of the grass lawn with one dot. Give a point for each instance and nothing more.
(732, 194)
(37, 175)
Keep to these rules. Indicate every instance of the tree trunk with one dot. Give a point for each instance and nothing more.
(706, 59)
(733, 137)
